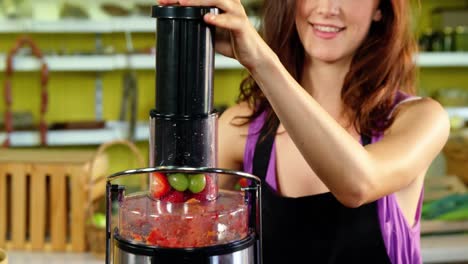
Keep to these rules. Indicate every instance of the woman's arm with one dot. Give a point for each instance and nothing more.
(354, 174)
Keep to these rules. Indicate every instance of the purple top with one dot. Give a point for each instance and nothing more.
(401, 240)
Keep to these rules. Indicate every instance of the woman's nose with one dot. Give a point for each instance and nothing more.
(328, 7)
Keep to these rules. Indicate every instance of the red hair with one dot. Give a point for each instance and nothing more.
(371, 85)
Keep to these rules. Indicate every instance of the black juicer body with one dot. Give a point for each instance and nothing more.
(183, 138)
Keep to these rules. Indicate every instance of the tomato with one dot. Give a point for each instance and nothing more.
(159, 185)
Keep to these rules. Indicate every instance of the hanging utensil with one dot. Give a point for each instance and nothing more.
(129, 104)
(36, 52)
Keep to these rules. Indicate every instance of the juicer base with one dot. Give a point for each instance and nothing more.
(239, 252)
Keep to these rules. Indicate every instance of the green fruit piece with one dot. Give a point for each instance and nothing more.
(178, 181)
(99, 220)
(197, 183)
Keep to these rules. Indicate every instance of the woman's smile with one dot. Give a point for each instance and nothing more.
(325, 31)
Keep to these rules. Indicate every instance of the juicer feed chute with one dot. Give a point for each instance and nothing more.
(182, 216)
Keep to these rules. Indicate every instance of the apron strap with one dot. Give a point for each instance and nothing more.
(262, 152)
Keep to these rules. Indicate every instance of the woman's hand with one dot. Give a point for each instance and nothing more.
(239, 39)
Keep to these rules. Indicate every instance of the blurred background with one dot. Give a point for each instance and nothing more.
(85, 71)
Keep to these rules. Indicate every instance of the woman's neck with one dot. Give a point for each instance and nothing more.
(324, 81)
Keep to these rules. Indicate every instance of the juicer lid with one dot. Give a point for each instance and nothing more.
(182, 12)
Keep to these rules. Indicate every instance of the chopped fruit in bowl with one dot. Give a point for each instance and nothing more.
(174, 196)
(193, 223)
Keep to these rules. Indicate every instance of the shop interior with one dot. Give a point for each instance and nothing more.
(82, 78)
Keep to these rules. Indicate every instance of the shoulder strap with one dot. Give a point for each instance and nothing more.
(365, 140)
(262, 153)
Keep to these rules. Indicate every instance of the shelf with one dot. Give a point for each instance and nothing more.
(148, 25)
(113, 25)
(443, 59)
(114, 130)
(148, 62)
(457, 111)
(99, 63)
(132, 24)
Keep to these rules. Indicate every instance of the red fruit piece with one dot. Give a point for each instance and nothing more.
(174, 197)
(159, 185)
(154, 237)
(243, 182)
(137, 237)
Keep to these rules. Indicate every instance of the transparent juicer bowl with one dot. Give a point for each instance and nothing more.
(153, 222)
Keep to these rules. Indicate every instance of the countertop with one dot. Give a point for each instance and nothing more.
(445, 248)
(20, 257)
(435, 249)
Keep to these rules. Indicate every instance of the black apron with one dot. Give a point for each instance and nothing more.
(317, 228)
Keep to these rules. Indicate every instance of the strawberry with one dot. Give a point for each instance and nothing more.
(174, 197)
(159, 185)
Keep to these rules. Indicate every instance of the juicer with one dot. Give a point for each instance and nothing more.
(180, 215)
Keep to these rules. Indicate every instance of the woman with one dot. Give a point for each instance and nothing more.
(327, 119)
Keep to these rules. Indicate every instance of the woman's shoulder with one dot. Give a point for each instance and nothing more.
(424, 115)
(236, 115)
(415, 106)
(233, 129)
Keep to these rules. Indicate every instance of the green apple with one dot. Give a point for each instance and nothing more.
(99, 220)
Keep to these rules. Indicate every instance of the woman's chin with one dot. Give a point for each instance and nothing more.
(328, 57)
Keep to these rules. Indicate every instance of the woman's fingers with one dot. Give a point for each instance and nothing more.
(225, 48)
(242, 39)
(226, 21)
(228, 6)
(168, 2)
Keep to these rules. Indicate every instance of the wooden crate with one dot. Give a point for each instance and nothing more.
(456, 155)
(44, 196)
